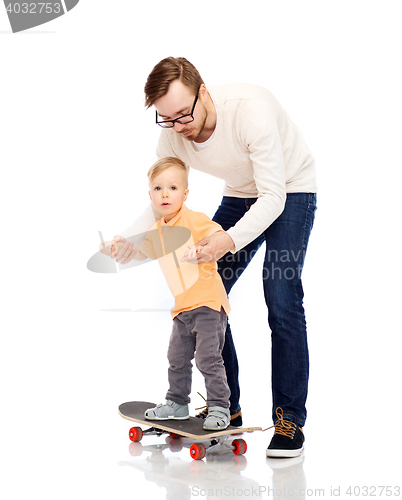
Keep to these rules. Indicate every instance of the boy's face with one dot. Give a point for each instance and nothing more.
(168, 192)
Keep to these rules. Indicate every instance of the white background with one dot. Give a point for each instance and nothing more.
(76, 143)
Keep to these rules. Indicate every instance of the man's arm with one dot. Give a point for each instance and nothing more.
(210, 249)
(136, 252)
(212, 242)
(134, 235)
(259, 132)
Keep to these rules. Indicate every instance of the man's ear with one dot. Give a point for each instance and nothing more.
(203, 92)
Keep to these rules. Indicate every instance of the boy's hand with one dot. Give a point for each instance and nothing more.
(126, 251)
(107, 248)
(116, 246)
(119, 249)
(209, 249)
(192, 253)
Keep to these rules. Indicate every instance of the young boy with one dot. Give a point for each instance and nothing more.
(201, 304)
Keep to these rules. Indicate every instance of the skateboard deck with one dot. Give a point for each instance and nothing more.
(191, 428)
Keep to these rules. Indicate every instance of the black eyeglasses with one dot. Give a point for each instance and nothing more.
(182, 119)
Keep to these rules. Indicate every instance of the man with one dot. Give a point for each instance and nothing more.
(240, 133)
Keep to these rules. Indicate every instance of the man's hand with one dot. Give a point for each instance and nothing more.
(209, 249)
(125, 251)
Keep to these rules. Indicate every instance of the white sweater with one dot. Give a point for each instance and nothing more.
(256, 149)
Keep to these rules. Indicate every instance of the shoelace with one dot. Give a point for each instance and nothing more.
(283, 427)
(204, 408)
(204, 413)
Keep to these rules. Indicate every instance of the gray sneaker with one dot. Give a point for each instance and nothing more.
(168, 411)
(218, 418)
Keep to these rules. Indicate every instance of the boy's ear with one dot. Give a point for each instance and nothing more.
(149, 192)
(185, 195)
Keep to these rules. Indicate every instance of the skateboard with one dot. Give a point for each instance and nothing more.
(191, 428)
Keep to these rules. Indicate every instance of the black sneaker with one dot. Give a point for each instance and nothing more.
(288, 440)
(236, 419)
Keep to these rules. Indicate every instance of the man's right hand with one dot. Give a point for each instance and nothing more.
(125, 254)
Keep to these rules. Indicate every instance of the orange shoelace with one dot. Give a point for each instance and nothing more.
(283, 427)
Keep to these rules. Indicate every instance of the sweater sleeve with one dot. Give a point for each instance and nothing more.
(147, 246)
(138, 230)
(258, 132)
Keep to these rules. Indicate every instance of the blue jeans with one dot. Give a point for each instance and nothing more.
(286, 243)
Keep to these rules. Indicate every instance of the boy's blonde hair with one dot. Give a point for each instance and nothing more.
(165, 163)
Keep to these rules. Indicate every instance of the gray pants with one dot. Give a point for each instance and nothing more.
(202, 331)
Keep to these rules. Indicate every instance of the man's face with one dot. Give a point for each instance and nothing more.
(177, 102)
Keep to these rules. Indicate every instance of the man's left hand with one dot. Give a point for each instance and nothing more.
(209, 249)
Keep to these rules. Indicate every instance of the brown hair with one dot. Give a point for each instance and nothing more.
(165, 163)
(165, 72)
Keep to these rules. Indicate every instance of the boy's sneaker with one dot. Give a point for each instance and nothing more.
(288, 440)
(168, 411)
(218, 418)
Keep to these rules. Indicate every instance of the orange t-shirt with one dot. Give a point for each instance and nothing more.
(192, 285)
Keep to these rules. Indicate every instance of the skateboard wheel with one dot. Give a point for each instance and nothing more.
(240, 446)
(173, 435)
(135, 434)
(197, 451)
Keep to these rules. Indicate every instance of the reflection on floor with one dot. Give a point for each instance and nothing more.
(221, 474)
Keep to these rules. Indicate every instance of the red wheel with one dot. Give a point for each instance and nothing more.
(135, 434)
(240, 446)
(197, 451)
(173, 435)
